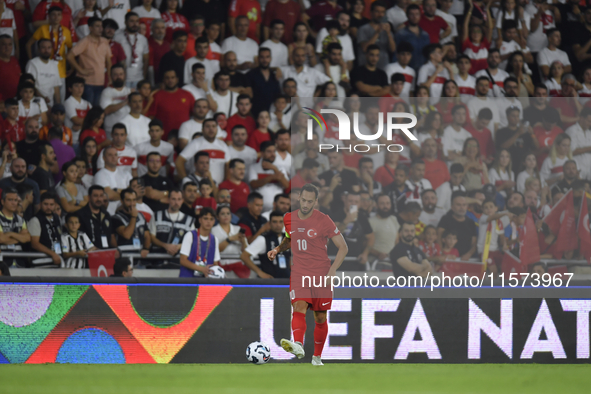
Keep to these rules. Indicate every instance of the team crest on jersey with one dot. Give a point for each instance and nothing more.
(301, 230)
(181, 232)
(311, 233)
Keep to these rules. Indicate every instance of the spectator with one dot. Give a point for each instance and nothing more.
(11, 129)
(279, 54)
(76, 108)
(75, 243)
(252, 221)
(239, 150)
(13, 228)
(30, 107)
(406, 258)
(110, 27)
(339, 178)
(447, 189)
(217, 150)
(546, 133)
(224, 98)
(243, 117)
(495, 75)
(431, 213)
(195, 124)
(63, 152)
(551, 53)
(197, 85)
(57, 117)
(279, 267)
(345, 40)
(538, 106)
(510, 101)
(55, 31)
(368, 79)
(281, 203)
(466, 82)
(530, 171)
(283, 159)
(224, 198)
(122, 268)
(29, 147)
(518, 139)
(234, 183)
(307, 78)
(163, 148)
(136, 124)
(190, 193)
(170, 12)
(385, 227)
(287, 11)
(72, 195)
(130, 225)
(416, 182)
(436, 171)
(483, 136)
(501, 174)
(147, 15)
(376, 32)
(263, 82)
(211, 66)
(482, 101)
(414, 35)
(201, 169)
(444, 12)
(570, 175)
(244, 47)
(311, 152)
(355, 228)
(437, 28)
(158, 187)
(238, 81)
(300, 40)
(308, 173)
(46, 73)
(434, 73)
(169, 225)
(19, 177)
(9, 68)
(475, 168)
(45, 229)
(581, 142)
(456, 220)
(158, 45)
(42, 174)
(92, 129)
(233, 244)
(265, 177)
(114, 100)
(94, 56)
(404, 56)
(455, 134)
(513, 42)
(126, 156)
(112, 178)
(552, 166)
(174, 59)
(171, 105)
(95, 220)
(319, 13)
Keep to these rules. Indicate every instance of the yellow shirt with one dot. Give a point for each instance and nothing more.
(43, 32)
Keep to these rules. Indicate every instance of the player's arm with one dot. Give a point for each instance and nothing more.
(282, 247)
(343, 249)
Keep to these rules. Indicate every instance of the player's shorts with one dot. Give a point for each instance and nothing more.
(318, 299)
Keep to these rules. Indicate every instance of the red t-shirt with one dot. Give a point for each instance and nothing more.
(289, 13)
(432, 250)
(445, 111)
(256, 138)
(436, 172)
(297, 182)
(308, 242)
(172, 108)
(484, 138)
(477, 54)
(118, 56)
(384, 175)
(19, 17)
(156, 52)
(433, 27)
(173, 23)
(236, 120)
(239, 194)
(40, 14)
(452, 252)
(11, 73)
(205, 202)
(320, 12)
(252, 10)
(99, 138)
(14, 133)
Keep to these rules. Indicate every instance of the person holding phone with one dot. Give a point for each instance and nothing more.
(232, 242)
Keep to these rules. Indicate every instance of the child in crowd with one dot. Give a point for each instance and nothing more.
(512, 231)
(430, 247)
(206, 199)
(30, 106)
(449, 241)
(476, 38)
(261, 134)
(75, 244)
(279, 120)
(333, 27)
(490, 235)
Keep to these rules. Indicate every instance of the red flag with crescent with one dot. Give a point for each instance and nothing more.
(583, 230)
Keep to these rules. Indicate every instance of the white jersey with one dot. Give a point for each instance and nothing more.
(114, 96)
(245, 50)
(233, 248)
(37, 106)
(454, 140)
(7, 22)
(78, 244)
(218, 155)
(126, 160)
(197, 93)
(495, 178)
(118, 179)
(248, 155)
(425, 72)
(47, 76)
(137, 129)
(551, 170)
(82, 29)
(117, 12)
(211, 68)
(271, 189)
(166, 151)
(283, 164)
(497, 84)
(452, 22)
(279, 54)
(581, 139)
(409, 77)
(135, 47)
(467, 87)
(75, 108)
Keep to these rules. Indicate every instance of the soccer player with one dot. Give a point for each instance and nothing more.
(310, 230)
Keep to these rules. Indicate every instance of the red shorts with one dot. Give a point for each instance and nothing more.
(318, 299)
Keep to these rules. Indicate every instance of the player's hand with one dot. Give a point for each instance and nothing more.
(264, 275)
(331, 272)
(271, 254)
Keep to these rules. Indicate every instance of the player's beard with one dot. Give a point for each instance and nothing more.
(304, 211)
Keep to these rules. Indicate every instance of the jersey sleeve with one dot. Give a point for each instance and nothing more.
(330, 229)
(287, 224)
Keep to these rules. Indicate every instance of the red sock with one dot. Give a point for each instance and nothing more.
(298, 326)
(320, 334)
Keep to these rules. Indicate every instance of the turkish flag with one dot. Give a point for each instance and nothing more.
(554, 217)
(512, 263)
(583, 230)
(101, 262)
(529, 249)
(567, 234)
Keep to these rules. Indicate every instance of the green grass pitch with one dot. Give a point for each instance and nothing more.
(295, 378)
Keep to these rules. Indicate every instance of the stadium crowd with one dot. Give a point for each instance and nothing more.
(125, 122)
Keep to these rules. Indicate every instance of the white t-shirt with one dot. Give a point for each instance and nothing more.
(581, 139)
(475, 104)
(452, 22)
(211, 67)
(165, 149)
(126, 160)
(233, 248)
(197, 93)
(335, 74)
(444, 193)
(279, 55)
(425, 72)
(137, 129)
(146, 16)
(227, 103)
(348, 52)
(75, 108)
(82, 29)
(494, 177)
(135, 68)
(188, 243)
(510, 47)
(110, 96)
(466, 87)
(546, 57)
(247, 154)
(117, 12)
(47, 76)
(245, 50)
(36, 107)
(454, 140)
(7, 22)
(118, 179)
(409, 77)
(432, 218)
(218, 155)
(520, 182)
(307, 80)
(191, 126)
(498, 82)
(496, 230)
(283, 164)
(268, 191)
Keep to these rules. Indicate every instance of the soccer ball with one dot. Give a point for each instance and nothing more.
(216, 272)
(258, 353)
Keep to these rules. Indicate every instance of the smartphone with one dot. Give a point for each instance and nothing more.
(242, 231)
(353, 209)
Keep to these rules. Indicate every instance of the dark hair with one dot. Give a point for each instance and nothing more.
(308, 187)
(48, 196)
(153, 153)
(92, 116)
(428, 191)
(196, 66)
(310, 163)
(254, 196)
(457, 194)
(233, 162)
(372, 47)
(411, 206)
(404, 47)
(485, 113)
(142, 83)
(95, 187)
(397, 77)
(9, 190)
(119, 126)
(127, 191)
(332, 46)
(412, 7)
(11, 102)
(276, 213)
(72, 215)
(155, 122)
(84, 155)
(190, 183)
(207, 211)
(121, 265)
(164, 8)
(204, 182)
(280, 195)
(42, 148)
(199, 154)
(110, 23)
(456, 168)
(449, 232)
(265, 145)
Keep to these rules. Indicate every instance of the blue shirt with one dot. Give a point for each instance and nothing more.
(418, 43)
